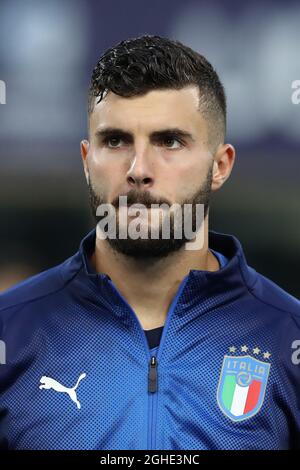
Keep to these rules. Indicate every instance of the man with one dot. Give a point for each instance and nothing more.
(151, 342)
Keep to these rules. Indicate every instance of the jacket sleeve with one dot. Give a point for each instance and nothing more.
(289, 388)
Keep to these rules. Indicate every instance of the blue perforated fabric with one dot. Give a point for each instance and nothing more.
(68, 321)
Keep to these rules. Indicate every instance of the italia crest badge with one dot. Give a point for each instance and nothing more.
(242, 383)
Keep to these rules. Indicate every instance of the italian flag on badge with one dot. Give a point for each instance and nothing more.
(242, 385)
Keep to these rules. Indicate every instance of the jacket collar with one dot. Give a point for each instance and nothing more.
(235, 274)
(200, 291)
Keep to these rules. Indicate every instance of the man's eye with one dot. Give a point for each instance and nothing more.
(172, 139)
(112, 139)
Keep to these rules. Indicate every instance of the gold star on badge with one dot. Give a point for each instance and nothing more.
(244, 348)
(232, 349)
(256, 351)
(267, 355)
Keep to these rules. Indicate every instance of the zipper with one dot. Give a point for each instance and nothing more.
(152, 361)
(152, 392)
(153, 373)
(152, 377)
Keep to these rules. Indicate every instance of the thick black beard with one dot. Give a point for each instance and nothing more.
(149, 247)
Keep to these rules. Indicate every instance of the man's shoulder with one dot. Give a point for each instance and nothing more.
(269, 292)
(40, 285)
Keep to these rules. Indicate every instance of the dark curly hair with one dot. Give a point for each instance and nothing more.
(137, 65)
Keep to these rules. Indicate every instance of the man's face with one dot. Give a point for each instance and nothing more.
(145, 165)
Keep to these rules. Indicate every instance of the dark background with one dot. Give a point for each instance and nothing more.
(47, 52)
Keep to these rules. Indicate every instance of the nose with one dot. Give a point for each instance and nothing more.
(140, 174)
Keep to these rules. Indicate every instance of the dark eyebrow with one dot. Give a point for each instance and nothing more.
(174, 131)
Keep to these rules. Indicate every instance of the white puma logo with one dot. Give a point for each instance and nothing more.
(47, 382)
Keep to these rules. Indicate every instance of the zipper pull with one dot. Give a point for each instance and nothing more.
(152, 383)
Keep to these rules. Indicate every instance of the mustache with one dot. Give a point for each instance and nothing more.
(136, 197)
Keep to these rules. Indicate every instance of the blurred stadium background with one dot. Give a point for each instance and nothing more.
(47, 52)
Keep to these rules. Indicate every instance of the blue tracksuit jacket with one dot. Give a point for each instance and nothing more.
(77, 371)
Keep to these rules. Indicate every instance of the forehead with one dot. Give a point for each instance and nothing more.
(156, 108)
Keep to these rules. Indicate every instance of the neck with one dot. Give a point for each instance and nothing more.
(149, 287)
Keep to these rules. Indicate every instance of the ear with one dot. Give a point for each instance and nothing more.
(84, 150)
(223, 163)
